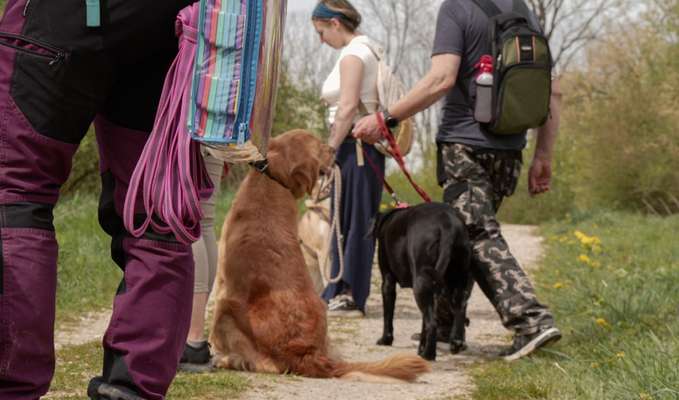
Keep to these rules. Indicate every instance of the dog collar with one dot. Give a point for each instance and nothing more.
(262, 166)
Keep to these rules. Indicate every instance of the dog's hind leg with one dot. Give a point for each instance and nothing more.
(459, 298)
(388, 304)
(423, 289)
(238, 352)
(459, 301)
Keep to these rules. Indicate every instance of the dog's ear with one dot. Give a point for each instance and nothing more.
(304, 176)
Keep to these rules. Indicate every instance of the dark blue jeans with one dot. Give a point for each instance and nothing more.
(360, 201)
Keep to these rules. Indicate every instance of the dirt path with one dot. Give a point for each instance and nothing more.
(90, 327)
(355, 340)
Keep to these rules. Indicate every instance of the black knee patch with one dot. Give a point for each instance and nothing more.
(24, 215)
(27, 215)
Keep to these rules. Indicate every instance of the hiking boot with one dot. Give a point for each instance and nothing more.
(100, 390)
(196, 359)
(343, 306)
(524, 345)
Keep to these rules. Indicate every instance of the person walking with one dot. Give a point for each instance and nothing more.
(351, 91)
(478, 169)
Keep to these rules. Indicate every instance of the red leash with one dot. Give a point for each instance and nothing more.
(396, 153)
(390, 190)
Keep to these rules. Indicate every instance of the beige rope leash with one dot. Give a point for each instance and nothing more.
(336, 178)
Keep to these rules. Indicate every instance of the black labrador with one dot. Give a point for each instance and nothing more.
(425, 247)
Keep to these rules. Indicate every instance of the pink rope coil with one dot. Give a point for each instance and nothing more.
(170, 173)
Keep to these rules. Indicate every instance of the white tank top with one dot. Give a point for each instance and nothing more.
(330, 92)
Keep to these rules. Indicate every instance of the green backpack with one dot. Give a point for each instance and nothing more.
(522, 70)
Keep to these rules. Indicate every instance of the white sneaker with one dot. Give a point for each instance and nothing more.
(343, 306)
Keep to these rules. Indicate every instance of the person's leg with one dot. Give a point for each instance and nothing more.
(37, 141)
(469, 189)
(363, 205)
(361, 195)
(345, 161)
(152, 309)
(205, 259)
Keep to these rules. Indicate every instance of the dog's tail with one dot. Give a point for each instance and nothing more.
(444, 256)
(401, 367)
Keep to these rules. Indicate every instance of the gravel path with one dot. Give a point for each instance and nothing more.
(354, 340)
(90, 327)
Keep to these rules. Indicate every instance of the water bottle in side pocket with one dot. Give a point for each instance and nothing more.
(483, 106)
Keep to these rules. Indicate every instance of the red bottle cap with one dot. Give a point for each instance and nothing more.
(485, 64)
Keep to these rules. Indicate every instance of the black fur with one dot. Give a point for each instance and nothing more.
(425, 247)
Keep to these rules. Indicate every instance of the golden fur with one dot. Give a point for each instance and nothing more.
(268, 318)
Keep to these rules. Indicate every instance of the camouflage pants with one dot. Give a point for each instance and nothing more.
(475, 182)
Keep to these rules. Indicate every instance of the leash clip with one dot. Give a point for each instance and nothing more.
(261, 166)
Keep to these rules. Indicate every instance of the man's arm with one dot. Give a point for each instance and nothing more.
(540, 173)
(439, 80)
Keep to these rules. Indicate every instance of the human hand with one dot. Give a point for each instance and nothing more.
(367, 129)
(539, 175)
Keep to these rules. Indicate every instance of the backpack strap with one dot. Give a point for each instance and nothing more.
(520, 7)
(488, 7)
(491, 10)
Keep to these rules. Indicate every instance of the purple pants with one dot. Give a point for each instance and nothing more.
(56, 77)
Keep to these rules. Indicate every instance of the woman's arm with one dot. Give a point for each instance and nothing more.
(351, 79)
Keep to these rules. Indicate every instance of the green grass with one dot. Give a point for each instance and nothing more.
(617, 306)
(77, 364)
(87, 277)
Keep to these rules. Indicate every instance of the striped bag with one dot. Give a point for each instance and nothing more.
(235, 75)
(219, 91)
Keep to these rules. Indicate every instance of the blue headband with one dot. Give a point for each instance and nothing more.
(324, 12)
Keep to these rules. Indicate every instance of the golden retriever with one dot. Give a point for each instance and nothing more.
(268, 318)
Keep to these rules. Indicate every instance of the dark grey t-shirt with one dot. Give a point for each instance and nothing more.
(462, 29)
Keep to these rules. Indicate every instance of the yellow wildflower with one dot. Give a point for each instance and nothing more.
(583, 258)
(620, 354)
(602, 322)
(558, 285)
(590, 242)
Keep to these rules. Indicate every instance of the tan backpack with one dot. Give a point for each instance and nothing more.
(390, 89)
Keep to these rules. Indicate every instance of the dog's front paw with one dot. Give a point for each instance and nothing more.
(457, 346)
(220, 361)
(385, 341)
(429, 355)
